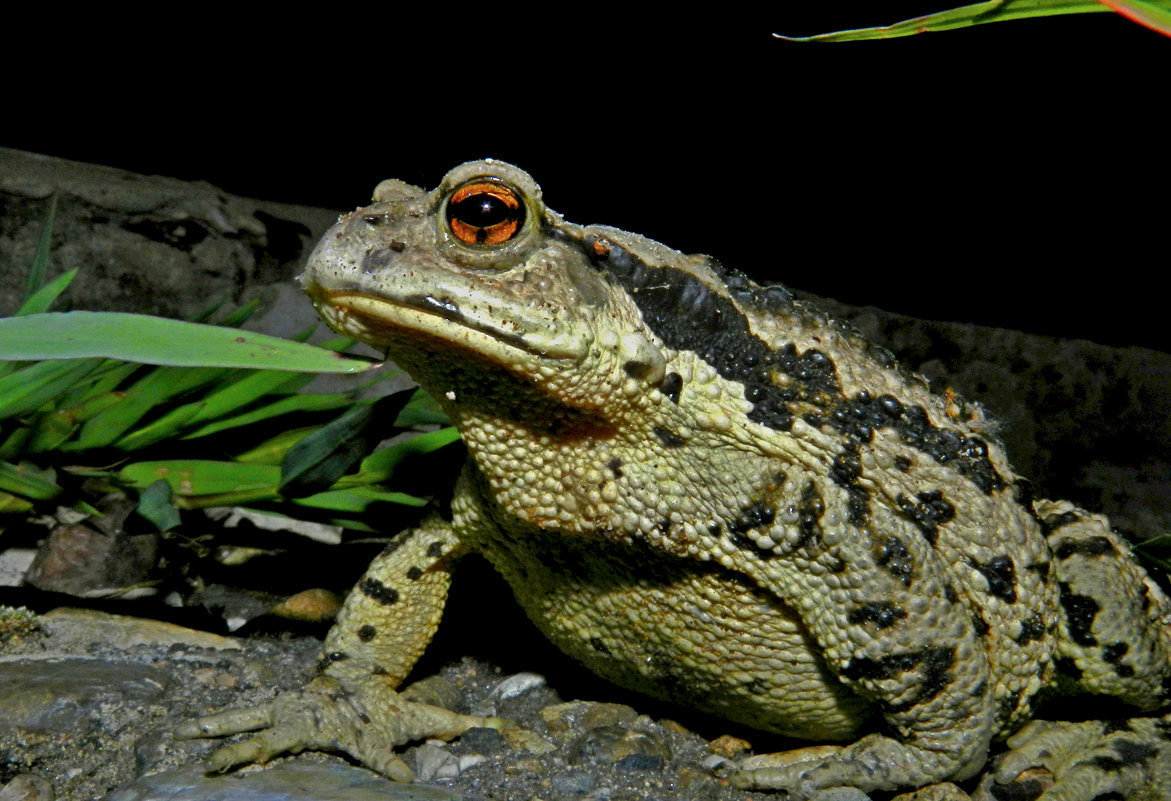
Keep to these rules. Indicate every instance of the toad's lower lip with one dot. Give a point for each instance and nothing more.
(365, 316)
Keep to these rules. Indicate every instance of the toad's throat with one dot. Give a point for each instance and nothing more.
(380, 320)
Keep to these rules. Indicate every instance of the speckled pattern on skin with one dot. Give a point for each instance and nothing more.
(710, 492)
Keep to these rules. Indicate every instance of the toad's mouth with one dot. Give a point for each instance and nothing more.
(381, 321)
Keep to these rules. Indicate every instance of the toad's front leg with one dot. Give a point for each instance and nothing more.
(352, 705)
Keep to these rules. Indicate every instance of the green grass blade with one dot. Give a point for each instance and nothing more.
(37, 384)
(247, 389)
(289, 405)
(237, 317)
(26, 480)
(40, 301)
(189, 478)
(356, 500)
(40, 263)
(1154, 14)
(321, 458)
(422, 410)
(13, 504)
(156, 340)
(380, 465)
(962, 17)
(147, 394)
(50, 430)
(272, 451)
(105, 381)
(165, 427)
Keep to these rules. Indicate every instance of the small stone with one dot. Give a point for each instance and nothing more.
(434, 762)
(729, 746)
(640, 762)
(561, 718)
(572, 784)
(945, 791)
(483, 740)
(517, 684)
(528, 741)
(714, 762)
(27, 787)
(435, 690)
(311, 606)
(840, 794)
(674, 726)
(613, 745)
(470, 761)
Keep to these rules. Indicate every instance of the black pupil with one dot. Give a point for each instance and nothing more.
(483, 211)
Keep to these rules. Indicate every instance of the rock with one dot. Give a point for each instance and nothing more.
(142, 242)
(50, 696)
(79, 560)
(78, 628)
(285, 781)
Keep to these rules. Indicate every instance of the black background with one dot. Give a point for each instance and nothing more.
(1011, 174)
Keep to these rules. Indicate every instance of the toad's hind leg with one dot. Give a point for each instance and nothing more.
(1115, 641)
(1116, 621)
(903, 639)
(352, 705)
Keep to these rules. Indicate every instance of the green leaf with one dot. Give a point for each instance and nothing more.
(31, 387)
(1154, 14)
(272, 451)
(1156, 550)
(154, 503)
(190, 478)
(357, 499)
(321, 458)
(27, 480)
(105, 380)
(165, 427)
(140, 399)
(156, 340)
(381, 464)
(12, 504)
(288, 405)
(40, 263)
(50, 430)
(248, 388)
(422, 410)
(238, 391)
(962, 17)
(43, 298)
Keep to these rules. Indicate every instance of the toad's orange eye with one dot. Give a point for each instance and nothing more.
(483, 213)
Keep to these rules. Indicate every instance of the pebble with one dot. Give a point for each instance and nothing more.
(516, 685)
(27, 787)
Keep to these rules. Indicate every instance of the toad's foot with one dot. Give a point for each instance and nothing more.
(367, 721)
(1049, 761)
(872, 763)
